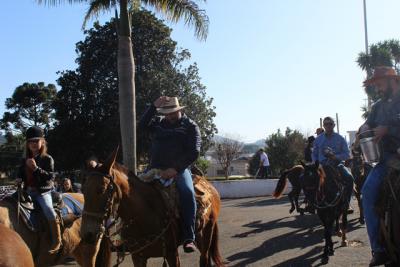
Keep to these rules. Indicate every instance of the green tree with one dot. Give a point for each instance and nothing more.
(30, 104)
(285, 150)
(386, 53)
(174, 11)
(87, 103)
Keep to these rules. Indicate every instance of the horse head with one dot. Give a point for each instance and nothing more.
(313, 177)
(102, 194)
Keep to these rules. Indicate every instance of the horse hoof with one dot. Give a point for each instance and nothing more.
(339, 233)
(331, 252)
(345, 243)
(291, 210)
(361, 221)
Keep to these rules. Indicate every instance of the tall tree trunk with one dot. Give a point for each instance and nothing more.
(126, 85)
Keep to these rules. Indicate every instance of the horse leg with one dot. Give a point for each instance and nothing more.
(291, 201)
(139, 261)
(173, 259)
(344, 228)
(328, 227)
(204, 244)
(361, 219)
(296, 200)
(338, 230)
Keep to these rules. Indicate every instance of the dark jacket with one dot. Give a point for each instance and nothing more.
(173, 146)
(387, 113)
(43, 176)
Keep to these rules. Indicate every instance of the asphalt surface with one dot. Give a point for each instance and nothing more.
(261, 232)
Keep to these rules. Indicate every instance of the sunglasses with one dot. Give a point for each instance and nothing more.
(328, 123)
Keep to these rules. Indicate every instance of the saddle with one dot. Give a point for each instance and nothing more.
(65, 206)
(169, 193)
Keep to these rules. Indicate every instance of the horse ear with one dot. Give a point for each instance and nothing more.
(109, 163)
(91, 163)
(317, 163)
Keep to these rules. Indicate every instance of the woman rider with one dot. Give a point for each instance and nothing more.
(37, 173)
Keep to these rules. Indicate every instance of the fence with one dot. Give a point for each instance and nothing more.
(6, 190)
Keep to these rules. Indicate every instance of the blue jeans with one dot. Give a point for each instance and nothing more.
(46, 203)
(184, 184)
(348, 181)
(370, 194)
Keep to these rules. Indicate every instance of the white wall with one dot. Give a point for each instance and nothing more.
(247, 188)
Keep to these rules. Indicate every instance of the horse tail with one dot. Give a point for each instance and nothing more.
(281, 185)
(214, 248)
(103, 258)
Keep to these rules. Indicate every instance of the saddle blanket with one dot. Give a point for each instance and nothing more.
(33, 216)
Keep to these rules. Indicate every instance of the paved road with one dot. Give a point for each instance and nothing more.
(261, 232)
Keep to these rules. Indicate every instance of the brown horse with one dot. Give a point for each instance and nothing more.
(150, 226)
(13, 250)
(293, 174)
(39, 242)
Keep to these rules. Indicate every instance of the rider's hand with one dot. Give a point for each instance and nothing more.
(168, 173)
(31, 164)
(331, 156)
(161, 100)
(380, 132)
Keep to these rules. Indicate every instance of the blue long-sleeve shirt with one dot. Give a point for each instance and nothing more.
(335, 142)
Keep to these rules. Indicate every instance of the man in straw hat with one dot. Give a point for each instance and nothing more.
(383, 121)
(176, 145)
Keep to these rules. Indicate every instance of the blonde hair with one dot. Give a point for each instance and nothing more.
(42, 150)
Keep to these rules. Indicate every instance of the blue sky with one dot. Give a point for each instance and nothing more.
(268, 64)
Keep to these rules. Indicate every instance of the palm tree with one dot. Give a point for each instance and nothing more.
(174, 10)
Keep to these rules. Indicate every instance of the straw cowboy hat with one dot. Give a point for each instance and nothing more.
(170, 105)
(382, 72)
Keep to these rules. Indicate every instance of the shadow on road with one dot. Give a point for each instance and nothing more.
(308, 232)
(264, 202)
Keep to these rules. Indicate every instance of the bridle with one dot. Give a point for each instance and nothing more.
(111, 206)
(322, 203)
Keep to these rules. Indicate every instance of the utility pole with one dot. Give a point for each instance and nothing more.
(366, 49)
(337, 123)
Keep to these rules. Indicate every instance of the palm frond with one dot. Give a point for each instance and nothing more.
(188, 10)
(97, 6)
(59, 2)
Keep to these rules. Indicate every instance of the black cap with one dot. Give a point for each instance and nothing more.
(311, 138)
(34, 132)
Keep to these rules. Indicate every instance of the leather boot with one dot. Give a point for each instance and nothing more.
(379, 258)
(55, 232)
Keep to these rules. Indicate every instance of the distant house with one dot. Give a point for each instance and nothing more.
(239, 166)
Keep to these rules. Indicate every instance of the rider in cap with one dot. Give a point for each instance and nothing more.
(37, 174)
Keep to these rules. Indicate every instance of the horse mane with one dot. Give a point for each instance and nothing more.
(121, 168)
(322, 175)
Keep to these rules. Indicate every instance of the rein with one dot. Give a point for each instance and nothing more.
(322, 204)
(110, 210)
(110, 207)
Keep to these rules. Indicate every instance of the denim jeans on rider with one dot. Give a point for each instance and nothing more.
(187, 199)
(370, 194)
(349, 181)
(46, 203)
